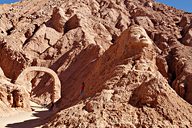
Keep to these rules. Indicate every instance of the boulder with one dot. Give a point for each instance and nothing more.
(89, 107)
(187, 39)
(52, 36)
(58, 19)
(144, 21)
(184, 21)
(38, 43)
(149, 4)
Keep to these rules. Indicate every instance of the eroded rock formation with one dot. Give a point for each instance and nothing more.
(113, 73)
(17, 95)
(131, 89)
(182, 71)
(12, 97)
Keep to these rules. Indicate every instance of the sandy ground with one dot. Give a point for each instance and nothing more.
(25, 119)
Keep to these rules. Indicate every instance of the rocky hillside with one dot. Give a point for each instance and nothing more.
(121, 63)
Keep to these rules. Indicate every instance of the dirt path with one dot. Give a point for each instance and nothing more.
(25, 119)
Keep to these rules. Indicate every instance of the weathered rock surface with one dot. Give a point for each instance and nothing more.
(187, 38)
(112, 75)
(12, 97)
(135, 94)
(58, 19)
(182, 71)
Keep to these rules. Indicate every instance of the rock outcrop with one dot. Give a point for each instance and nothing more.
(132, 93)
(58, 19)
(182, 71)
(121, 63)
(187, 38)
(12, 97)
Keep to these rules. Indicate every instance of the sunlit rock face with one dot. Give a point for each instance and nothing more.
(138, 36)
(135, 44)
(128, 51)
(106, 64)
(125, 79)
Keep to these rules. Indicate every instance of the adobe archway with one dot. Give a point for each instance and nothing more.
(56, 93)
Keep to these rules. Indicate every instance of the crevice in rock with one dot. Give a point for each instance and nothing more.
(172, 77)
(114, 37)
(171, 72)
(9, 31)
(28, 39)
(48, 40)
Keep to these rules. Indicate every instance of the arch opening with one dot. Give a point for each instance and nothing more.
(56, 90)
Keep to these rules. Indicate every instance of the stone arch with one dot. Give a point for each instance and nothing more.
(56, 93)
